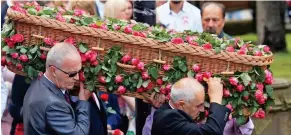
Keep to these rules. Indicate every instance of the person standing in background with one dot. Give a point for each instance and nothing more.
(179, 15)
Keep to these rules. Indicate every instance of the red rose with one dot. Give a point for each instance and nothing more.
(145, 75)
(140, 90)
(23, 58)
(11, 44)
(177, 40)
(269, 80)
(226, 93)
(135, 33)
(117, 132)
(140, 66)
(88, 55)
(199, 77)
(83, 58)
(159, 81)
(229, 49)
(78, 12)
(82, 76)
(134, 61)
(128, 30)
(93, 25)
(168, 87)
(260, 86)
(101, 79)
(121, 89)
(258, 53)
(104, 97)
(48, 41)
(14, 55)
(18, 38)
(233, 81)
(206, 113)
(229, 106)
(166, 67)
(95, 63)
(43, 56)
(207, 46)
(125, 58)
(163, 91)
(245, 98)
(266, 49)
(150, 86)
(103, 27)
(196, 68)
(260, 97)
(3, 61)
(71, 41)
(19, 67)
(9, 63)
(93, 56)
(60, 18)
(207, 75)
(242, 51)
(116, 27)
(141, 34)
(118, 79)
(240, 88)
(260, 114)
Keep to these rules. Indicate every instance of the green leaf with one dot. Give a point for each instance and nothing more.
(253, 110)
(145, 83)
(157, 89)
(32, 11)
(240, 112)
(245, 93)
(19, 47)
(269, 90)
(108, 79)
(82, 48)
(6, 49)
(113, 68)
(97, 69)
(104, 68)
(224, 101)
(48, 10)
(165, 78)
(34, 49)
(88, 20)
(126, 82)
(23, 50)
(217, 50)
(114, 59)
(253, 86)
(110, 110)
(153, 71)
(178, 75)
(90, 86)
(139, 82)
(110, 88)
(241, 120)
(235, 95)
(29, 56)
(190, 73)
(246, 78)
(183, 67)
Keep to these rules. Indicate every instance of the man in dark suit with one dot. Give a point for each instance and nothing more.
(47, 107)
(186, 102)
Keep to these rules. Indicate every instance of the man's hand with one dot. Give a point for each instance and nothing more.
(215, 90)
(156, 99)
(83, 93)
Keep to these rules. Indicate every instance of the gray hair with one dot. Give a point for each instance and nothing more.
(185, 89)
(59, 52)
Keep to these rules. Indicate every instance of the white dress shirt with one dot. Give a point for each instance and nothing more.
(189, 18)
(100, 7)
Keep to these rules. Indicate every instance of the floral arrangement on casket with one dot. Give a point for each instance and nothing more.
(247, 93)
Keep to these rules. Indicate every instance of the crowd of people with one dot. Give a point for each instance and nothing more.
(46, 107)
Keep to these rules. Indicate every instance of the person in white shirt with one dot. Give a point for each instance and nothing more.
(179, 15)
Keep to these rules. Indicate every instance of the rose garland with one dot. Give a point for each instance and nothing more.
(207, 41)
(245, 93)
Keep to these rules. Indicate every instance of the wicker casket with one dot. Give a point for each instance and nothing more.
(134, 59)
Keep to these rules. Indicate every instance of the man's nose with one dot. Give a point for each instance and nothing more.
(211, 23)
(76, 77)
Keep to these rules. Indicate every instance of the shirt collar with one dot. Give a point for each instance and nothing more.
(63, 90)
(171, 105)
(184, 8)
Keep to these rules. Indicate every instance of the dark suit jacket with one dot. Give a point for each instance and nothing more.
(45, 111)
(98, 118)
(168, 121)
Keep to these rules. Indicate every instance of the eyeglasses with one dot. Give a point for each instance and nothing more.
(72, 74)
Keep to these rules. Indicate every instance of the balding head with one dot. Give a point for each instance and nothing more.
(188, 95)
(186, 89)
(63, 64)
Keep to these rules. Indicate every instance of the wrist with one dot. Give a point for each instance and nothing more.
(218, 101)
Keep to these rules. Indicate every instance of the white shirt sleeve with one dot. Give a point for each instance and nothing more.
(4, 95)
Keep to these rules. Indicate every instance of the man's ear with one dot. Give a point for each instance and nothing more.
(53, 71)
(180, 104)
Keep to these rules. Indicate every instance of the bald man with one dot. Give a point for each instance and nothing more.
(186, 102)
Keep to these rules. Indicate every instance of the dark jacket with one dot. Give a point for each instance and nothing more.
(168, 121)
(46, 111)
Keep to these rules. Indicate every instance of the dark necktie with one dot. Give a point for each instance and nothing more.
(67, 97)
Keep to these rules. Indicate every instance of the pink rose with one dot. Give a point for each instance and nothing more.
(18, 38)
(166, 67)
(118, 79)
(177, 40)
